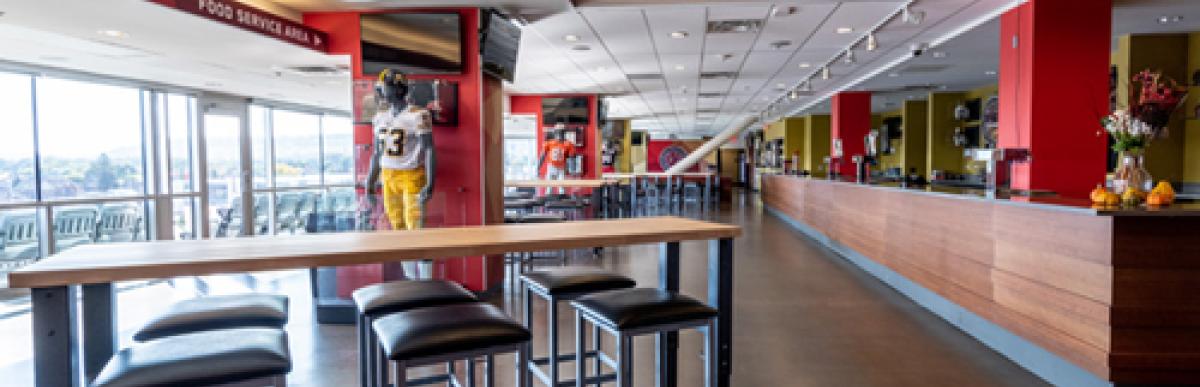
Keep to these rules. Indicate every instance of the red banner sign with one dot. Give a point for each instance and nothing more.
(253, 19)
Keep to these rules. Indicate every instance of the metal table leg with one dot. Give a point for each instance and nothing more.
(54, 337)
(99, 328)
(707, 190)
(667, 355)
(720, 296)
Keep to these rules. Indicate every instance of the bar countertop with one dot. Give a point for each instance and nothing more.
(1046, 200)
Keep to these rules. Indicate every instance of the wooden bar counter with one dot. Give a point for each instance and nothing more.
(1116, 293)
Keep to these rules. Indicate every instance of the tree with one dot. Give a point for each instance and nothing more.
(101, 174)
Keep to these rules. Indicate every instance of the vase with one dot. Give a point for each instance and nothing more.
(1131, 172)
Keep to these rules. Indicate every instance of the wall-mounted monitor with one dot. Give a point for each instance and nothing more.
(499, 42)
(414, 43)
(570, 111)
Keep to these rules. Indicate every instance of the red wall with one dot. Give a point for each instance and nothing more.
(458, 197)
(1054, 90)
(655, 147)
(851, 123)
(532, 104)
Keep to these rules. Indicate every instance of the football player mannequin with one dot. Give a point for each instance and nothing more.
(554, 156)
(404, 159)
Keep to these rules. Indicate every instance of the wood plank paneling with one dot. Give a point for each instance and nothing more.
(1114, 294)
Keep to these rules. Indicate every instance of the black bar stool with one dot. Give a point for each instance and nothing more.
(436, 335)
(217, 312)
(250, 357)
(384, 298)
(628, 313)
(563, 284)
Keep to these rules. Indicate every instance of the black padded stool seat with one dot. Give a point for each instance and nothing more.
(217, 312)
(426, 332)
(396, 296)
(575, 280)
(200, 359)
(642, 307)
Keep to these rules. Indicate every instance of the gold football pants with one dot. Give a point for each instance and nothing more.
(401, 197)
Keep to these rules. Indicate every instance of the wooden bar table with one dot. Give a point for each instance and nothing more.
(60, 325)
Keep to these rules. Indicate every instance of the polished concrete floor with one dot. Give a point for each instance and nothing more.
(804, 317)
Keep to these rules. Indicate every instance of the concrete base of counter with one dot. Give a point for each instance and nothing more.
(1111, 293)
(1044, 364)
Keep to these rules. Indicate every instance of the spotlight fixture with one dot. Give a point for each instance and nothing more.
(844, 30)
(113, 33)
(825, 73)
(794, 95)
(571, 38)
(912, 17)
(679, 34)
(872, 42)
(849, 57)
(805, 65)
(784, 11)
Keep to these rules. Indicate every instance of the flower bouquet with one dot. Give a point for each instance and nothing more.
(1145, 119)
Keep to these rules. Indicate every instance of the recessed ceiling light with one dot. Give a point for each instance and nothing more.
(805, 65)
(571, 38)
(989, 72)
(680, 67)
(1168, 19)
(872, 42)
(679, 34)
(826, 73)
(849, 58)
(601, 69)
(844, 30)
(113, 33)
(894, 75)
(939, 54)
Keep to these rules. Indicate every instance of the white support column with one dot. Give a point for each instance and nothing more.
(709, 147)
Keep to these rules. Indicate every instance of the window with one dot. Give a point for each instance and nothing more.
(17, 172)
(89, 138)
(338, 153)
(297, 145)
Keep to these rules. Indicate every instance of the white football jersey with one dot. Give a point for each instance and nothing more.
(399, 137)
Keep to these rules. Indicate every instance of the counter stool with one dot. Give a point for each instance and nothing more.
(384, 298)
(434, 335)
(634, 312)
(563, 284)
(250, 357)
(217, 312)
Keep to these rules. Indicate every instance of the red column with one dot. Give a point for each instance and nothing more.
(1054, 66)
(851, 123)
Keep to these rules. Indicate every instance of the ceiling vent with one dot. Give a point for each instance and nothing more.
(645, 77)
(924, 69)
(744, 26)
(711, 95)
(708, 111)
(718, 75)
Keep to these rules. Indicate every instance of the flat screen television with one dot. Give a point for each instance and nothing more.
(499, 42)
(414, 43)
(570, 111)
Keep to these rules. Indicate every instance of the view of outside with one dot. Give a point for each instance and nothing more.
(94, 145)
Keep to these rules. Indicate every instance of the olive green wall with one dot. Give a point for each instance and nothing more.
(623, 163)
(1160, 52)
(941, 154)
(916, 133)
(816, 143)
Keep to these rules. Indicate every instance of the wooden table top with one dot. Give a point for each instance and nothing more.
(657, 174)
(580, 183)
(104, 263)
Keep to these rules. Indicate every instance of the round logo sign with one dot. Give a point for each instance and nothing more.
(671, 155)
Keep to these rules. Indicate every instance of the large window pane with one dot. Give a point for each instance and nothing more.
(91, 139)
(223, 149)
(297, 148)
(339, 149)
(16, 138)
